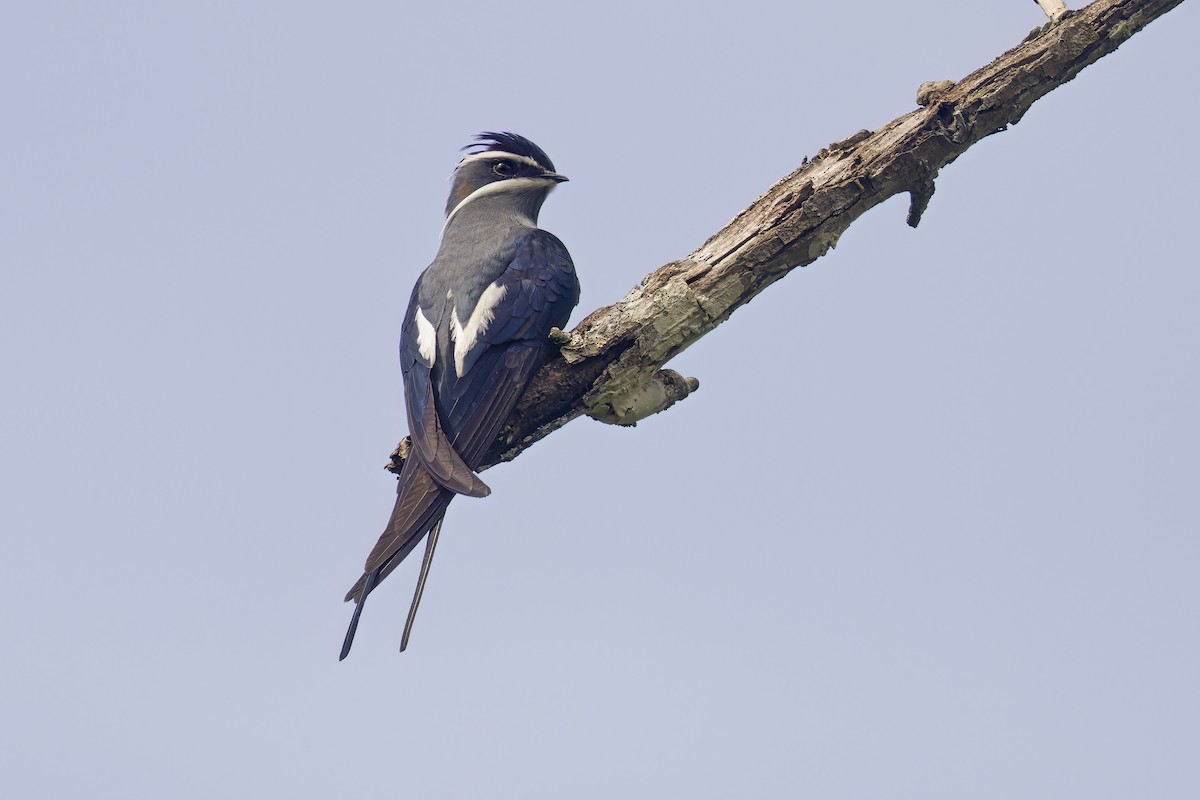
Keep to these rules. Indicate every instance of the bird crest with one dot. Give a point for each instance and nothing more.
(511, 143)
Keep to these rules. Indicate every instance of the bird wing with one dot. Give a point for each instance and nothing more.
(537, 291)
(429, 439)
(417, 358)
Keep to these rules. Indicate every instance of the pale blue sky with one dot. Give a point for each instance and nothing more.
(928, 530)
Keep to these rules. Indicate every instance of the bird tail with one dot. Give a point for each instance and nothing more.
(420, 506)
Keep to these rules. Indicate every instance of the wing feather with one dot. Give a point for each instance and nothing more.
(435, 450)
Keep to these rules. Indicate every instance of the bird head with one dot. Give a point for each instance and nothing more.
(505, 166)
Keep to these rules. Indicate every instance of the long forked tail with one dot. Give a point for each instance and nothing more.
(420, 505)
(370, 580)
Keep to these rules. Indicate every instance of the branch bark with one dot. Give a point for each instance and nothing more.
(613, 359)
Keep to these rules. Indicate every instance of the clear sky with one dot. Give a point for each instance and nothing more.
(927, 530)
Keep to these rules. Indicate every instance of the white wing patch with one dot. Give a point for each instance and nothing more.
(426, 337)
(466, 336)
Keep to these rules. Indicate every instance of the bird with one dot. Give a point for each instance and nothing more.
(476, 331)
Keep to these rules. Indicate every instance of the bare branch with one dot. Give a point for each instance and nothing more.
(615, 353)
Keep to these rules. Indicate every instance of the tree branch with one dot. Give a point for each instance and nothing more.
(611, 364)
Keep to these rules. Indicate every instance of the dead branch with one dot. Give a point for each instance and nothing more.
(611, 364)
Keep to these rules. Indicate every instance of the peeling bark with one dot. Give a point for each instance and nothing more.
(611, 364)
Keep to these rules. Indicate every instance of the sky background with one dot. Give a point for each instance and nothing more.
(927, 530)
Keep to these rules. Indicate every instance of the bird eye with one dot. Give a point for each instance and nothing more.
(505, 169)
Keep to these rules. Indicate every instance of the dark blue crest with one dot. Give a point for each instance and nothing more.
(509, 143)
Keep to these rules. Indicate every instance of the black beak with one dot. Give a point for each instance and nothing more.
(554, 176)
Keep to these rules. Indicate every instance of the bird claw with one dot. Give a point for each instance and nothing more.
(399, 456)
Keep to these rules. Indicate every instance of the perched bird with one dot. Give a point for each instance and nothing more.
(475, 333)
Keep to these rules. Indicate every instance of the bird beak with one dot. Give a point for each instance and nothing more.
(554, 176)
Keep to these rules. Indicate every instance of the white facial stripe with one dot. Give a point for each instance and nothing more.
(497, 154)
(426, 337)
(496, 187)
(466, 336)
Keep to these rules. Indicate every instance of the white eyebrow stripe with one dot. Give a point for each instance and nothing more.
(466, 336)
(486, 154)
(497, 187)
(426, 337)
